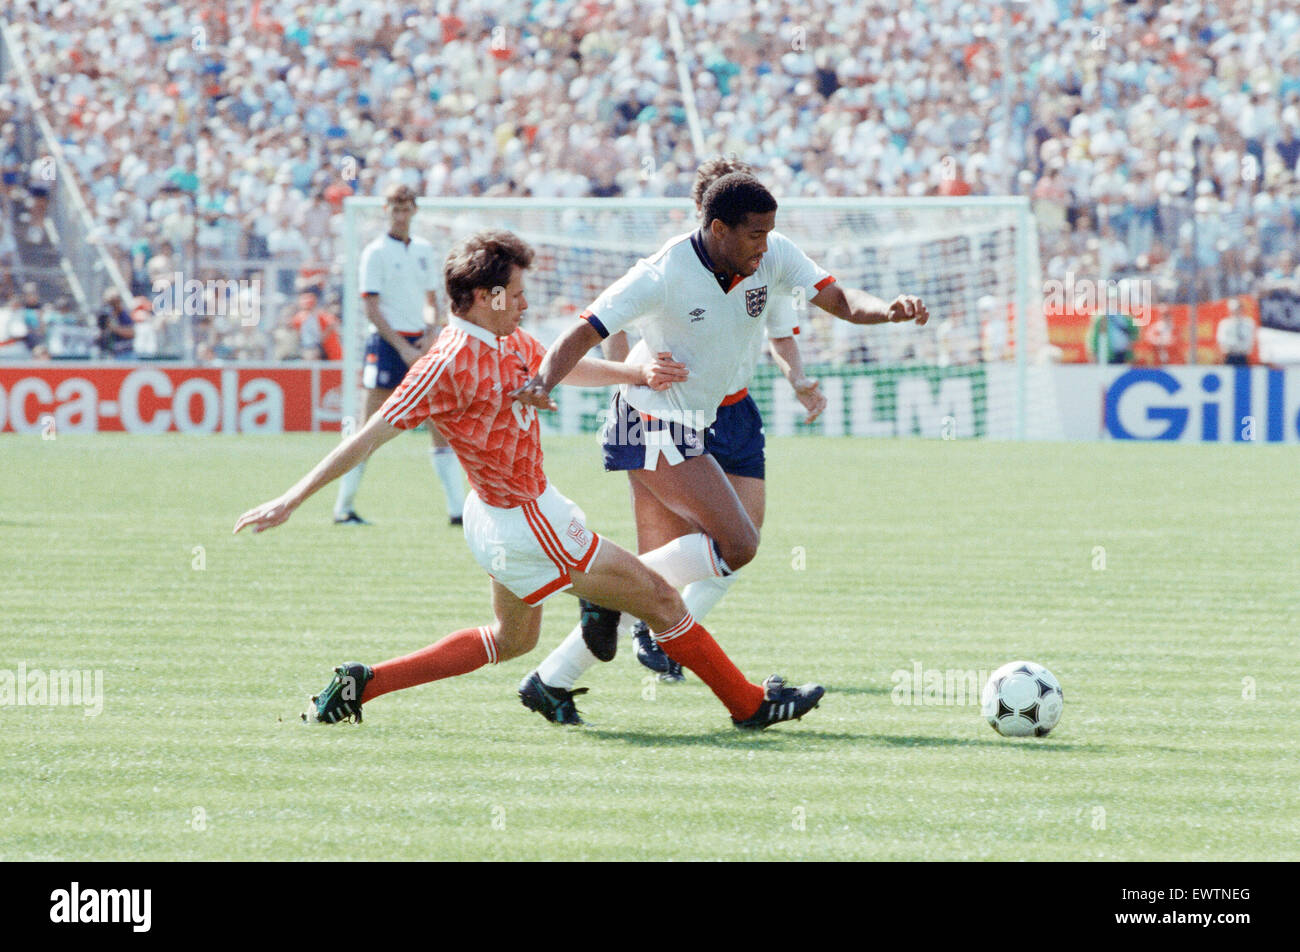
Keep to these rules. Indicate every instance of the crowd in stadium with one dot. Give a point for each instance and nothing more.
(243, 129)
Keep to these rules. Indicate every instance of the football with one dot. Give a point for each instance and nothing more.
(1022, 699)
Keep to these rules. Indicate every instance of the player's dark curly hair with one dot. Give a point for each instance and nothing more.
(734, 196)
(483, 260)
(713, 169)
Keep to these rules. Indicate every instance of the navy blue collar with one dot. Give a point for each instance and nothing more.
(725, 281)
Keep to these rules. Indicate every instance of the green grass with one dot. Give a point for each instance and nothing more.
(957, 555)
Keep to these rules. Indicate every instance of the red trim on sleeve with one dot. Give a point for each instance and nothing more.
(796, 329)
(595, 322)
(829, 279)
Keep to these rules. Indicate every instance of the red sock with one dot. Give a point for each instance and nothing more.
(459, 653)
(688, 643)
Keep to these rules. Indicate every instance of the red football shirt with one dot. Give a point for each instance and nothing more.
(462, 385)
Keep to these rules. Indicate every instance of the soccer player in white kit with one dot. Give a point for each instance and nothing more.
(399, 278)
(735, 439)
(702, 297)
(531, 540)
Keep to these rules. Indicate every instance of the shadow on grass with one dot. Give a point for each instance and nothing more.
(811, 740)
(904, 740)
(733, 739)
(832, 689)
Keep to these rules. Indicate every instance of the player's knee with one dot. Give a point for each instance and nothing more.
(739, 546)
(514, 641)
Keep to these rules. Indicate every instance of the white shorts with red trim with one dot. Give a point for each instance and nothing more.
(531, 549)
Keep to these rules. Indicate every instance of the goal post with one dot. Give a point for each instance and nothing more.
(977, 369)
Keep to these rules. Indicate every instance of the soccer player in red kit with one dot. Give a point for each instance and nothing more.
(530, 539)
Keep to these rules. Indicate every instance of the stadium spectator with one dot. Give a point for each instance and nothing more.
(317, 329)
(1110, 339)
(1235, 335)
(40, 181)
(958, 343)
(62, 313)
(148, 322)
(1288, 143)
(116, 329)
(994, 330)
(1160, 335)
(32, 316)
(11, 161)
(13, 332)
(8, 251)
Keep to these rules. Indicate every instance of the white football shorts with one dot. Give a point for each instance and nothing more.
(530, 549)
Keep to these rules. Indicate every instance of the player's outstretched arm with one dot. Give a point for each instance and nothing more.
(569, 348)
(785, 351)
(859, 307)
(564, 354)
(659, 374)
(341, 459)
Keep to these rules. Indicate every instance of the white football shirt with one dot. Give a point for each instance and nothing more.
(780, 322)
(676, 301)
(400, 273)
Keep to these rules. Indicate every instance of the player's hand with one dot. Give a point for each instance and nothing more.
(267, 516)
(908, 307)
(810, 395)
(663, 372)
(534, 394)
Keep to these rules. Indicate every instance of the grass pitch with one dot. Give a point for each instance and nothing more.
(1159, 583)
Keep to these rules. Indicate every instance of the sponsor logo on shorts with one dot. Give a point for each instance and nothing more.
(576, 532)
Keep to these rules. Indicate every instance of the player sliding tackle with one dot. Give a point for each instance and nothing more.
(529, 538)
(703, 297)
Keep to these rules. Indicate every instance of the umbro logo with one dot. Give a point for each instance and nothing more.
(697, 315)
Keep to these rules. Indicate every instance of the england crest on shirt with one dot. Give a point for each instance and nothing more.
(756, 300)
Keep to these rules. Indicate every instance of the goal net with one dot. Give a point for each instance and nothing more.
(977, 369)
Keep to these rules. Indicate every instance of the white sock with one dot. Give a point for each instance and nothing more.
(452, 478)
(686, 559)
(572, 659)
(701, 596)
(348, 487)
(568, 662)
